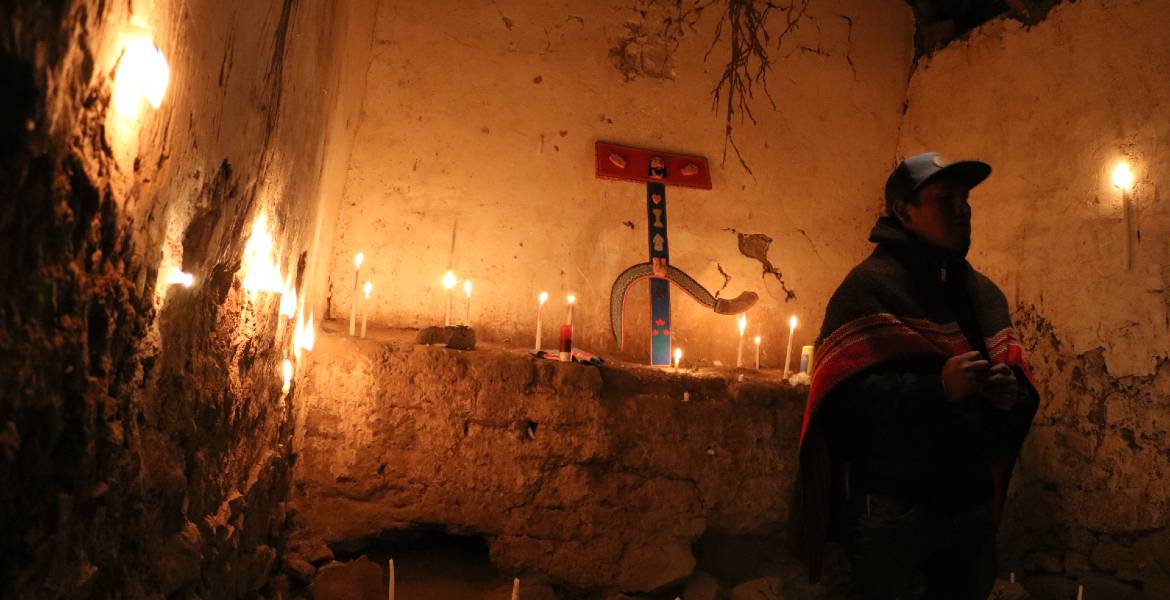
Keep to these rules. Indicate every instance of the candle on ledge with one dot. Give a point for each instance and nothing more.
(757, 353)
(357, 270)
(390, 588)
(677, 356)
(516, 588)
(539, 317)
(571, 300)
(449, 281)
(467, 312)
(788, 353)
(369, 287)
(1122, 177)
(742, 328)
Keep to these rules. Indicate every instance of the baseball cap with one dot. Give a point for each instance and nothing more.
(916, 171)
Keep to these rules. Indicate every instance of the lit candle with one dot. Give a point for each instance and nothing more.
(357, 269)
(449, 281)
(286, 369)
(788, 353)
(572, 300)
(390, 588)
(742, 328)
(467, 312)
(1123, 180)
(369, 287)
(677, 356)
(539, 316)
(516, 588)
(757, 353)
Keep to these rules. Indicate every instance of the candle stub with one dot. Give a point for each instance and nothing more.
(806, 359)
(566, 353)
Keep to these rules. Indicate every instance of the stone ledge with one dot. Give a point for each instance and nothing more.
(591, 476)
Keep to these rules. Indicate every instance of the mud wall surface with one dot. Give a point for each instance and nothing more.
(482, 119)
(144, 434)
(592, 478)
(1054, 108)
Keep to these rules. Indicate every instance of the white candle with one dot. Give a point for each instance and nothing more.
(467, 312)
(1123, 177)
(390, 588)
(677, 356)
(788, 353)
(757, 353)
(539, 317)
(357, 270)
(1080, 592)
(449, 281)
(571, 300)
(369, 287)
(516, 588)
(739, 352)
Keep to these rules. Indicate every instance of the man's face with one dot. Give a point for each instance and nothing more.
(942, 217)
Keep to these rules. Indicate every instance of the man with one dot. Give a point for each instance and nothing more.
(920, 400)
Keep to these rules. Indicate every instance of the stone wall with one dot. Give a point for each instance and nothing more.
(590, 477)
(483, 118)
(1053, 108)
(144, 435)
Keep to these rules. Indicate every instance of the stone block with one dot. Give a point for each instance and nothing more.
(359, 579)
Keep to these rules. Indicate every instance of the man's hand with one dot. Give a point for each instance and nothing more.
(964, 375)
(1001, 387)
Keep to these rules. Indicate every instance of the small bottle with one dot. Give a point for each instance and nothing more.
(566, 343)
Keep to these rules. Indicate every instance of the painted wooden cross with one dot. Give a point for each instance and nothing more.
(658, 170)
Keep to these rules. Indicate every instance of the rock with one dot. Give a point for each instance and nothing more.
(179, 562)
(650, 567)
(763, 588)
(457, 337)
(300, 569)
(1006, 590)
(701, 586)
(359, 579)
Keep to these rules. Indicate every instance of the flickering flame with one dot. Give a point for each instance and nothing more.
(1122, 176)
(288, 300)
(742, 323)
(449, 280)
(757, 340)
(571, 299)
(357, 260)
(467, 287)
(543, 297)
(369, 287)
(261, 269)
(303, 335)
(677, 356)
(143, 73)
(180, 278)
(792, 323)
(287, 371)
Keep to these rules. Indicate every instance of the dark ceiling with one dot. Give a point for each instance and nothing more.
(940, 21)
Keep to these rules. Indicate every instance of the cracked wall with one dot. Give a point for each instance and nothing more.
(1053, 108)
(503, 144)
(144, 435)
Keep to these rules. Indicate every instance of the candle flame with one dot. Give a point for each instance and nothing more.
(792, 322)
(303, 336)
(571, 299)
(288, 301)
(449, 279)
(178, 277)
(757, 340)
(467, 287)
(143, 73)
(286, 369)
(742, 323)
(261, 269)
(677, 356)
(358, 259)
(1122, 176)
(367, 288)
(543, 297)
